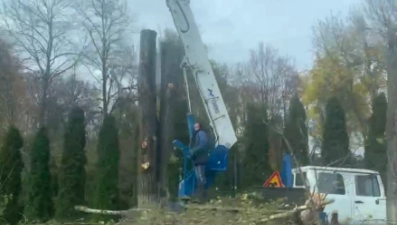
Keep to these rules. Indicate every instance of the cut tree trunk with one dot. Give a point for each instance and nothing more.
(166, 125)
(147, 179)
(166, 129)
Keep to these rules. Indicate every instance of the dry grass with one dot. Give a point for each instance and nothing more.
(245, 210)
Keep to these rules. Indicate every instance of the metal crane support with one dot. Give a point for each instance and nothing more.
(196, 59)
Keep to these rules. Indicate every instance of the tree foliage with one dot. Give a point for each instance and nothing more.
(375, 147)
(295, 130)
(335, 149)
(350, 65)
(40, 205)
(330, 77)
(11, 165)
(256, 146)
(72, 175)
(106, 194)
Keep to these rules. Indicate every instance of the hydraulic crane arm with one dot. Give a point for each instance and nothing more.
(197, 58)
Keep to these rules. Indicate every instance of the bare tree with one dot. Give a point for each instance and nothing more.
(240, 79)
(272, 78)
(72, 91)
(41, 31)
(108, 26)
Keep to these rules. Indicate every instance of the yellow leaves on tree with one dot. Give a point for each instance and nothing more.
(331, 77)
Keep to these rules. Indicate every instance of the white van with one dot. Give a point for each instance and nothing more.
(359, 194)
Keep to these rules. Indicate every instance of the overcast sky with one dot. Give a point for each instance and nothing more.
(232, 27)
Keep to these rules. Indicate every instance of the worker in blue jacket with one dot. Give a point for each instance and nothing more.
(200, 156)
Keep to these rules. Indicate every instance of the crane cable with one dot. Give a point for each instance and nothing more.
(182, 174)
(189, 104)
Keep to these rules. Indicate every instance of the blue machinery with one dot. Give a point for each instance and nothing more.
(218, 163)
(286, 171)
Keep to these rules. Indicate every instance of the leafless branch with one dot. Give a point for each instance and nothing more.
(269, 78)
(41, 31)
(107, 25)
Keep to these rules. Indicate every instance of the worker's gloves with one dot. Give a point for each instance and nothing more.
(192, 152)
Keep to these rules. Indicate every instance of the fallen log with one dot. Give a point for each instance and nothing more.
(284, 215)
(124, 213)
(217, 208)
(297, 209)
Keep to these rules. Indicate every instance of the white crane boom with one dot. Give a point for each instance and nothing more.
(197, 58)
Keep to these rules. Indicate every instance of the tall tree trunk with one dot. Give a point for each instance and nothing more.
(165, 132)
(391, 128)
(167, 114)
(43, 101)
(147, 192)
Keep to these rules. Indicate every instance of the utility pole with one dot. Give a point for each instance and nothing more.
(391, 129)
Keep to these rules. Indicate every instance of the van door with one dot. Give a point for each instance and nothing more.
(369, 201)
(337, 186)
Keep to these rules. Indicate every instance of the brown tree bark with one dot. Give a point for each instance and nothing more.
(147, 179)
(165, 131)
(167, 94)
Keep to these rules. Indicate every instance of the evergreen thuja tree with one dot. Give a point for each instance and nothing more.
(54, 176)
(296, 131)
(11, 166)
(180, 132)
(335, 146)
(40, 205)
(72, 175)
(255, 162)
(107, 172)
(375, 157)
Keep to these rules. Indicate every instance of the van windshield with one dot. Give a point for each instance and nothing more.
(330, 183)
